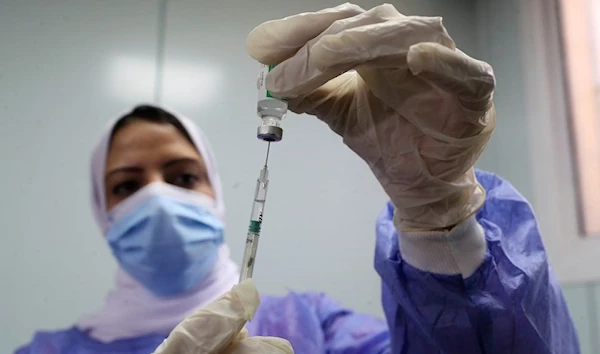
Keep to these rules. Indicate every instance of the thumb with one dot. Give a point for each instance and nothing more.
(217, 325)
(471, 80)
(330, 102)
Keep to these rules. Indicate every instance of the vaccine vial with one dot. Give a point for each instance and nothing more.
(270, 110)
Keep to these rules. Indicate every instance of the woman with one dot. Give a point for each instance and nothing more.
(158, 199)
(462, 264)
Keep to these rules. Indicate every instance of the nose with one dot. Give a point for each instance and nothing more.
(154, 176)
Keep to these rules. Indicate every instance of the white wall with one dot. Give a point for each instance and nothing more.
(68, 66)
(57, 90)
(498, 37)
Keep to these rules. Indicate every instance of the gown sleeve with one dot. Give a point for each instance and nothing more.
(483, 287)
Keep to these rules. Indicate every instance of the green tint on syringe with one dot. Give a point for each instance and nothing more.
(258, 207)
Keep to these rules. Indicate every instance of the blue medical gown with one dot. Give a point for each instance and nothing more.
(313, 323)
(511, 304)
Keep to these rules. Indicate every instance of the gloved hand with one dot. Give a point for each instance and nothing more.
(402, 96)
(218, 328)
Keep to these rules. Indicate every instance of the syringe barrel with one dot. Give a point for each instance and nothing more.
(256, 218)
(260, 195)
(249, 254)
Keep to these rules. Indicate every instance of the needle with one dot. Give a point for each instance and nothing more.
(268, 149)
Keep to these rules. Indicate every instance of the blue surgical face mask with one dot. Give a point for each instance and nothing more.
(167, 238)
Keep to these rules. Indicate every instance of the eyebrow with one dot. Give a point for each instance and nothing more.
(132, 169)
(128, 169)
(183, 159)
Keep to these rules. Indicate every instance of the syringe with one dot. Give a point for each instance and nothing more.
(256, 218)
(271, 111)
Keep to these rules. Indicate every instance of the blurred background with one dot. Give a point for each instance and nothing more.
(69, 66)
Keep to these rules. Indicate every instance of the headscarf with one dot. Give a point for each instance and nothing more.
(130, 310)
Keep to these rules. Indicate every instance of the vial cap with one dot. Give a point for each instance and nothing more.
(269, 133)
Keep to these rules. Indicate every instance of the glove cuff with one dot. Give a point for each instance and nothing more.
(417, 214)
(458, 251)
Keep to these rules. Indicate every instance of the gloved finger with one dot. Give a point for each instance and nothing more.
(327, 100)
(217, 325)
(453, 71)
(243, 334)
(383, 45)
(274, 41)
(260, 345)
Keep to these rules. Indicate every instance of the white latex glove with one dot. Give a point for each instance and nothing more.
(218, 328)
(415, 108)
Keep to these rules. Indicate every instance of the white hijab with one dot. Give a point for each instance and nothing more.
(130, 310)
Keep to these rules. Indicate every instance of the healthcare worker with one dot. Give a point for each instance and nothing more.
(459, 252)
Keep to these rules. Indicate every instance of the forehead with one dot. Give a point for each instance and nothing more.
(145, 144)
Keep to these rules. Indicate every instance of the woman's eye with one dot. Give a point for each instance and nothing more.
(125, 188)
(186, 180)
